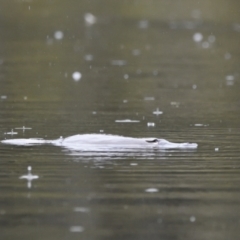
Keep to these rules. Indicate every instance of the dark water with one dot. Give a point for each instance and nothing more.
(134, 57)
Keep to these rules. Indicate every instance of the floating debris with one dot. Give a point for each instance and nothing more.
(127, 121)
(216, 149)
(126, 76)
(151, 190)
(3, 97)
(157, 112)
(29, 177)
(76, 76)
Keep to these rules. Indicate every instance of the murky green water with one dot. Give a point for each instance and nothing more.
(134, 57)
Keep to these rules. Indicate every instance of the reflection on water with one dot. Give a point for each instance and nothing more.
(161, 69)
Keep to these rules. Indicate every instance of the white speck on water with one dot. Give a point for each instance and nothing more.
(192, 219)
(205, 44)
(90, 19)
(149, 98)
(157, 112)
(76, 76)
(118, 62)
(29, 7)
(126, 76)
(3, 97)
(101, 131)
(88, 57)
(136, 52)
(94, 112)
(25, 98)
(151, 124)
(155, 72)
(197, 37)
(133, 164)
(227, 56)
(58, 35)
(143, 24)
(76, 229)
(151, 190)
(194, 86)
(211, 38)
(127, 121)
(216, 149)
(81, 209)
(125, 101)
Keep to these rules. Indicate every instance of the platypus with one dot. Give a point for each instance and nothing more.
(103, 141)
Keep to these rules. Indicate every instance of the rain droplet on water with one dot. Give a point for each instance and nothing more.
(143, 24)
(205, 44)
(197, 37)
(58, 35)
(90, 19)
(192, 219)
(76, 76)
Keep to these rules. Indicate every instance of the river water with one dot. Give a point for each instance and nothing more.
(82, 67)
